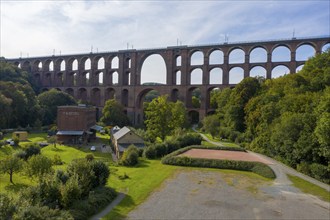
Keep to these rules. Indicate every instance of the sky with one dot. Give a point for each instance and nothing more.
(43, 28)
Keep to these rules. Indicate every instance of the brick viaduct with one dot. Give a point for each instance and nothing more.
(69, 73)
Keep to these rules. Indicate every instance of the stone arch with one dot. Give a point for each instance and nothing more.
(196, 58)
(37, 78)
(178, 61)
(216, 57)
(258, 55)
(71, 78)
(37, 65)
(299, 68)
(58, 89)
(26, 65)
(236, 75)
(100, 76)
(70, 91)
(72, 64)
(114, 78)
(281, 53)
(193, 116)
(96, 96)
(47, 81)
(141, 95)
(115, 62)
(209, 94)
(124, 97)
(127, 78)
(82, 94)
(87, 63)
(59, 79)
(216, 75)
(236, 55)
(128, 63)
(304, 52)
(101, 63)
(175, 95)
(326, 47)
(60, 64)
(153, 69)
(110, 93)
(178, 77)
(280, 70)
(258, 71)
(196, 76)
(48, 65)
(194, 92)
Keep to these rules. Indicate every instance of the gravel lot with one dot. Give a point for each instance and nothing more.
(197, 194)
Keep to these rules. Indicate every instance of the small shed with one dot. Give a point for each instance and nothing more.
(21, 135)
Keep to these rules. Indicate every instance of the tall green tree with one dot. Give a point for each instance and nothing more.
(39, 166)
(163, 117)
(211, 124)
(113, 114)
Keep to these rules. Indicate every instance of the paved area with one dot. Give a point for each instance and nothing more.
(214, 195)
(224, 155)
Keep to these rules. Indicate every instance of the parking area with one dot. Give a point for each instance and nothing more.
(200, 194)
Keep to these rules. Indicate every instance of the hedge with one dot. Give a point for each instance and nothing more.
(255, 167)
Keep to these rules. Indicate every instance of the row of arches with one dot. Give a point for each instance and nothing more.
(258, 54)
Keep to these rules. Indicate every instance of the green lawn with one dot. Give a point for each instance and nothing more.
(310, 188)
(223, 142)
(141, 181)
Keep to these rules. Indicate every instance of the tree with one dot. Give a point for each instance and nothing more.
(211, 124)
(49, 101)
(38, 166)
(163, 117)
(7, 207)
(113, 114)
(101, 172)
(11, 165)
(52, 140)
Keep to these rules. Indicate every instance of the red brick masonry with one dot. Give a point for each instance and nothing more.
(224, 155)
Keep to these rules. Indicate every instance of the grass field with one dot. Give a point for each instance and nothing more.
(223, 142)
(310, 188)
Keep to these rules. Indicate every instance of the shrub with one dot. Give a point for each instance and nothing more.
(149, 152)
(16, 141)
(57, 160)
(130, 156)
(89, 157)
(320, 172)
(7, 207)
(41, 213)
(61, 176)
(21, 154)
(70, 192)
(101, 172)
(190, 139)
(32, 149)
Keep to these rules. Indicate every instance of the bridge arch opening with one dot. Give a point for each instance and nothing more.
(37, 78)
(115, 63)
(59, 79)
(281, 54)
(47, 81)
(299, 68)
(216, 57)
(128, 63)
(196, 77)
(211, 97)
(153, 70)
(49, 65)
(87, 64)
(115, 78)
(279, 71)
(178, 61)
(72, 79)
(197, 58)
(258, 71)
(193, 116)
(194, 97)
(326, 47)
(236, 56)
(37, 65)
(100, 77)
(178, 77)
(304, 52)
(175, 95)
(82, 95)
(236, 75)
(124, 97)
(110, 93)
(26, 66)
(75, 64)
(101, 64)
(70, 91)
(127, 78)
(146, 95)
(61, 64)
(96, 96)
(258, 55)
(216, 75)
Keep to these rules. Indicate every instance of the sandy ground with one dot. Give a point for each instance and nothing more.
(224, 155)
(200, 194)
